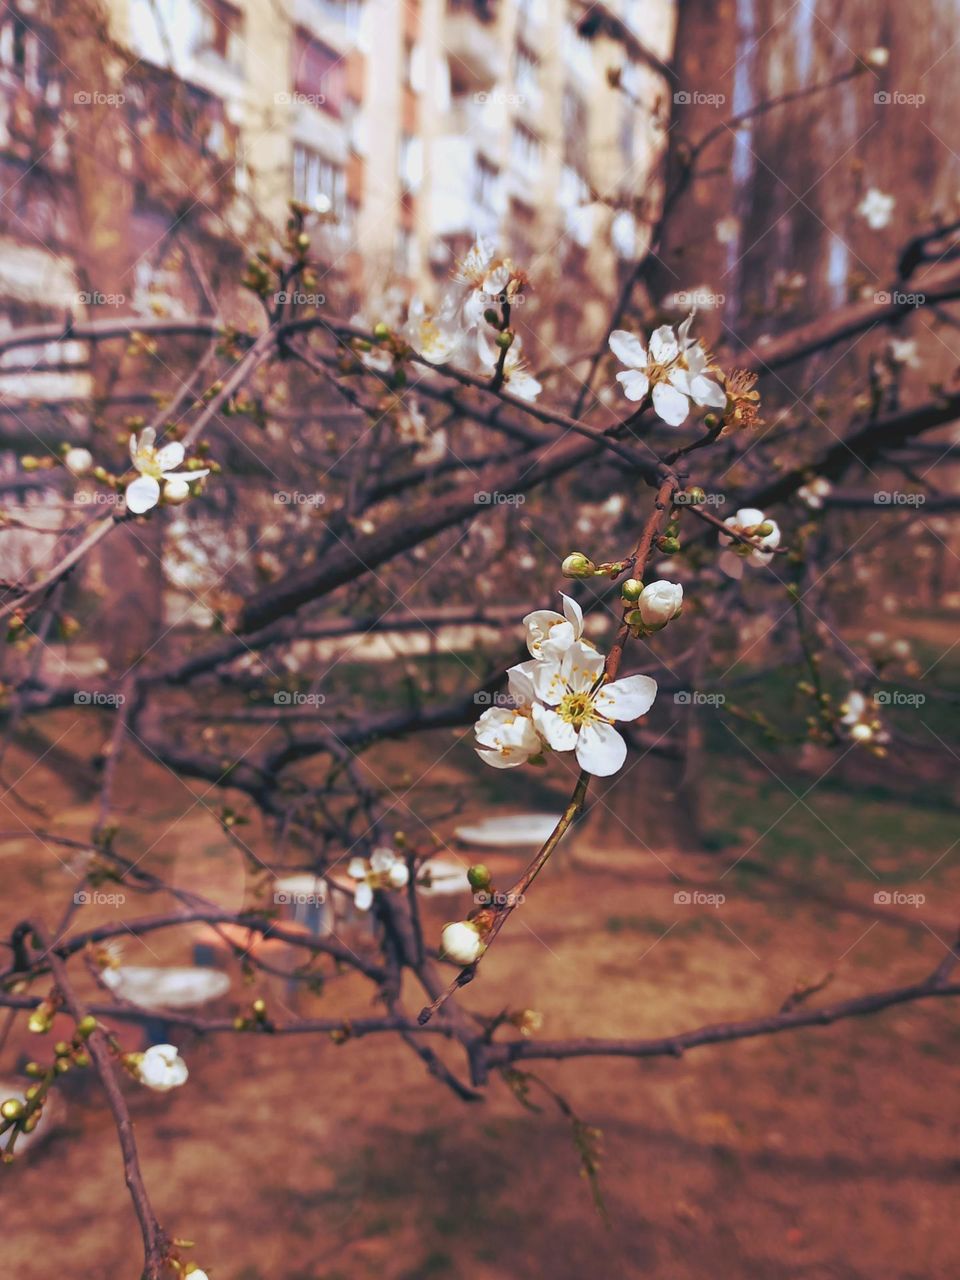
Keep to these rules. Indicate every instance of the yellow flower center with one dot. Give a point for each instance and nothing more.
(577, 709)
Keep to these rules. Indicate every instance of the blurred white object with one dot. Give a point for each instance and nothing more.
(445, 877)
(166, 988)
(528, 830)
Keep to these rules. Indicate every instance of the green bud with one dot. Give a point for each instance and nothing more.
(696, 495)
(762, 530)
(34, 1069)
(381, 331)
(577, 565)
(504, 339)
(61, 1048)
(479, 876)
(491, 316)
(668, 545)
(632, 589)
(12, 1109)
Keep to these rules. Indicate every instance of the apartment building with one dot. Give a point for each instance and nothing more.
(410, 126)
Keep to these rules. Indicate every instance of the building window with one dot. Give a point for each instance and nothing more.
(19, 51)
(221, 32)
(405, 254)
(525, 150)
(345, 13)
(526, 73)
(486, 183)
(318, 183)
(319, 74)
(410, 162)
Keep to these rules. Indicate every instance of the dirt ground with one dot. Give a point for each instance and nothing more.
(827, 1153)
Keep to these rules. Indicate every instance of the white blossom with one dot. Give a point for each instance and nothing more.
(876, 208)
(161, 1068)
(436, 338)
(483, 279)
(460, 942)
(549, 633)
(385, 870)
(575, 711)
(659, 603)
(155, 465)
(814, 492)
(861, 721)
(675, 366)
(516, 377)
(78, 461)
(746, 522)
(903, 351)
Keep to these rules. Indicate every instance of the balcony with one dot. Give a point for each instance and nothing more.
(470, 39)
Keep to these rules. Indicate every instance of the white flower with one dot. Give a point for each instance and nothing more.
(385, 870)
(876, 208)
(460, 942)
(78, 461)
(659, 602)
(436, 338)
(484, 278)
(155, 465)
(516, 376)
(575, 712)
(549, 634)
(814, 492)
(903, 351)
(878, 57)
(746, 522)
(505, 736)
(859, 718)
(675, 367)
(196, 1274)
(161, 1068)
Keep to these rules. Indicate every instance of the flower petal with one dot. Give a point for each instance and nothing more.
(573, 614)
(600, 749)
(707, 392)
(635, 384)
(730, 564)
(559, 734)
(581, 667)
(142, 494)
(671, 405)
(628, 349)
(363, 897)
(626, 699)
(548, 681)
(663, 345)
(170, 456)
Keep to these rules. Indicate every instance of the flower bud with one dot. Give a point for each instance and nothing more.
(763, 530)
(577, 565)
(659, 602)
(631, 590)
(878, 57)
(86, 1026)
(504, 339)
(78, 461)
(176, 491)
(479, 877)
(381, 331)
(460, 942)
(696, 495)
(12, 1109)
(668, 545)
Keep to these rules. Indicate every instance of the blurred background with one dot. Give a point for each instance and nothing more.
(778, 167)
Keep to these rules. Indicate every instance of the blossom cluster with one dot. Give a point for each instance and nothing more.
(467, 321)
(674, 365)
(561, 700)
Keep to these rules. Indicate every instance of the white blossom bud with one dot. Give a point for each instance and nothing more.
(877, 57)
(460, 942)
(176, 491)
(78, 461)
(659, 602)
(161, 1068)
(577, 565)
